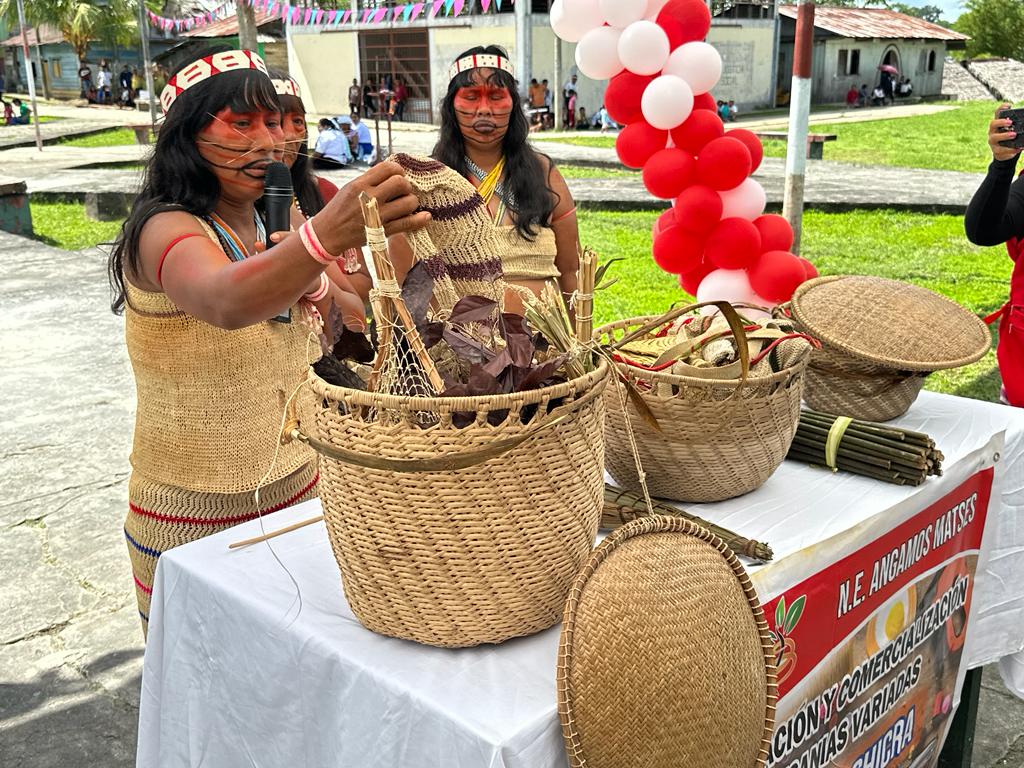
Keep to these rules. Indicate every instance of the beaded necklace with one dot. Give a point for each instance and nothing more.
(236, 250)
(490, 185)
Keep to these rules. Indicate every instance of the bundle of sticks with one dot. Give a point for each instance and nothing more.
(887, 453)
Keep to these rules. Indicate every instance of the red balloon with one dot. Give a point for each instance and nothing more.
(723, 163)
(705, 101)
(733, 244)
(668, 172)
(623, 95)
(776, 275)
(809, 269)
(638, 141)
(684, 21)
(698, 209)
(690, 281)
(677, 250)
(752, 143)
(700, 128)
(776, 233)
(666, 220)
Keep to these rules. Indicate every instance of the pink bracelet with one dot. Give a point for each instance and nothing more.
(313, 245)
(321, 292)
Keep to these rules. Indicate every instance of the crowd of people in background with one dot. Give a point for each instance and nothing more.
(389, 98)
(102, 88)
(888, 89)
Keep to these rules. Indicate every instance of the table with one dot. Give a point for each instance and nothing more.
(254, 658)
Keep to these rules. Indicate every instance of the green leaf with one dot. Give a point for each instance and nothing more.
(796, 610)
(780, 614)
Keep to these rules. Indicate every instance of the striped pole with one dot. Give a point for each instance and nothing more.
(799, 109)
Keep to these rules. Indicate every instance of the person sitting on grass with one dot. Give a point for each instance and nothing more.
(331, 150)
(8, 112)
(22, 114)
(582, 123)
(852, 96)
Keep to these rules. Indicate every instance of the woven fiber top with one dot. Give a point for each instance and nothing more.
(665, 658)
(890, 323)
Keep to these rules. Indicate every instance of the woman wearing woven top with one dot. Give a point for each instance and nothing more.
(217, 325)
(484, 138)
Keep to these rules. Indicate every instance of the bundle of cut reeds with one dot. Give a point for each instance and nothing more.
(879, 451)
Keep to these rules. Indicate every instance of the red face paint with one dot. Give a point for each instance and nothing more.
(238, 147)
(293, 125)
(483, 109)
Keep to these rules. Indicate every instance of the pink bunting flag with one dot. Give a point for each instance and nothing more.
(308, 16)
(417, 9)
(485, 4)
(398, 11)
(367, 14)
(345, 18)
(296, 15)
(459, 5)
(378, 17)
(331, 17)
(286, 12)
(436, 8)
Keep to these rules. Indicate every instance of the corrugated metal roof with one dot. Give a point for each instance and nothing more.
(47, 36)
(228, 27)
(874, 22)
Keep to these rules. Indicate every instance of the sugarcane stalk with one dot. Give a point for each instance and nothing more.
(873, 447)
(905, 432)
(855, 467)
(855, 430)
(622, 506)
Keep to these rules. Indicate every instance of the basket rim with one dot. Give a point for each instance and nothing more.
(664, 377)
(467, 403)
(833, 343)
(640, 527)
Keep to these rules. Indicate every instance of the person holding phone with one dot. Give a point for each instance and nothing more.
(995, 216)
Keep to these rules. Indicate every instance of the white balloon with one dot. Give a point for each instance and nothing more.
(730, 285)
(597, 53)
(699, 64)
(654, 8)
(746, 201)
(667, 102)
(622, 13)
(643, 48)
(572, 19)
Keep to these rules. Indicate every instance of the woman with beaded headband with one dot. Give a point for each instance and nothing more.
(484, 137)
(213, 370)
(312, 192)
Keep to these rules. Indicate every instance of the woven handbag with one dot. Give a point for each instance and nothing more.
(665, 657)
(880, 339)
(711, 445)
(459, 536)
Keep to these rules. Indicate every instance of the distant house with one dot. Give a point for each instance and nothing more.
(851, 44)
(223, 33)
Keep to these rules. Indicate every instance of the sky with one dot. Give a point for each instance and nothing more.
(951, 8)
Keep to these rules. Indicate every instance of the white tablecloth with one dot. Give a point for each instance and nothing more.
(254, 658)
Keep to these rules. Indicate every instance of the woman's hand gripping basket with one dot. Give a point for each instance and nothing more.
(459, 520)
(713, 408)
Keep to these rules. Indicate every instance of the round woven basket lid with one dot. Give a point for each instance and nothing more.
(890, 323)
(665, 658)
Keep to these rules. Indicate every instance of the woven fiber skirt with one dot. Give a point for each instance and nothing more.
(162, 516)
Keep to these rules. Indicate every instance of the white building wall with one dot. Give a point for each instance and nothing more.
(747, 48)
(831, 84)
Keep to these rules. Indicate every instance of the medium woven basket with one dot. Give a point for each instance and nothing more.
(709, 448)
(459, 536)
(665, 657)
(880, 339)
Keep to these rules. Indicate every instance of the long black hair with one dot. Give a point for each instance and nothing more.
(176, 176)
(525, 177)
(307, 190)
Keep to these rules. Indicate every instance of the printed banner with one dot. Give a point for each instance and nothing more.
(868, 649)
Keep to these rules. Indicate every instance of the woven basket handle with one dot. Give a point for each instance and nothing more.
(450, 461)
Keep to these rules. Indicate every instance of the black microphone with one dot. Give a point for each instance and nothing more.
(277, 207)
(277, 198)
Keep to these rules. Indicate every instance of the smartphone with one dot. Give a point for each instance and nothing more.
(1017, 116)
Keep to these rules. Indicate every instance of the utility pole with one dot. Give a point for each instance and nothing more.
(799, 111)
(28, 72)
(146, 65)
(557, 96)
(524, 45)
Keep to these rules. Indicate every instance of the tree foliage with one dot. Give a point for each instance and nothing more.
(996, 28)
(81, 22)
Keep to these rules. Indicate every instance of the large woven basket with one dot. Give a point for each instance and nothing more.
(880, 340)
(459, 536)
(711, 446)
(665, 657)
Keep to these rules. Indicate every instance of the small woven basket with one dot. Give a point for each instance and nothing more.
(710, 447)
(880, 339)
(665, 658)
(459, 536)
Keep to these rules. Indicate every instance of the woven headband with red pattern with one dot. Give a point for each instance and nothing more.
(287, 87)
(476, 61)
(205, 68)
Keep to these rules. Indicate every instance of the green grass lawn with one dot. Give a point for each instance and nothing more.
(928, 250)
(585, 172)
(64, 225)
(115, 137)
(954, 140)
